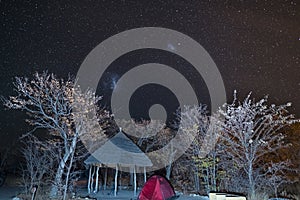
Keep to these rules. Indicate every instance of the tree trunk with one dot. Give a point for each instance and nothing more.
(207, 180)
(169, 166)
(62, 164)
(168, 171)
(196, 180)
(214, 174)
(251, 183)
(58, 177)
(72, 150)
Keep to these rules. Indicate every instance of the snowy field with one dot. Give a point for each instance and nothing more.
(7, 193)
(125, 194)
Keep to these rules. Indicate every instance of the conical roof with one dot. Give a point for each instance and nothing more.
(119, 150)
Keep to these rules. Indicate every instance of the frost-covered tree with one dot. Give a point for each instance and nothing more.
(62, 108)
(38, 162)
(152, 135)
(144, 132)
(251, 132)
(276, 175)
(202, 155)
(171, 141)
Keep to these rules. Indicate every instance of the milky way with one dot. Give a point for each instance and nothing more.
(255, 45)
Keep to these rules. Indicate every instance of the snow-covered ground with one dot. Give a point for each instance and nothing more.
(125, 194)
(7, 192)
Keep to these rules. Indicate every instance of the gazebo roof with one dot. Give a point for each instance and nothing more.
(119, 150)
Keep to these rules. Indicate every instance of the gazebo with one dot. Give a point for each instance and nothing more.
(119, 151)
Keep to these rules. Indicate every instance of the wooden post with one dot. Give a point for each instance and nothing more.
(92, 179)
(134, 177)
(97, 179)
(89, 181)
(145, 175)
(116, 180)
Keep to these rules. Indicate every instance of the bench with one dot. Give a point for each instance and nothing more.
(225, 196)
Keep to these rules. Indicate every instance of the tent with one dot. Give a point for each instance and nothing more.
(157, 188)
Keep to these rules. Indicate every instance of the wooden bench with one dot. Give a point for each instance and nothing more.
(224, 196)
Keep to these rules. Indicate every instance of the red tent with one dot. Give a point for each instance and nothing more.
(157, 188)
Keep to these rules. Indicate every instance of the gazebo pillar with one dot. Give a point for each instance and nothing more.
(145, 175)
(92, 179)
(116, 180)
(134, 177)
(89, 181)
(97, 179)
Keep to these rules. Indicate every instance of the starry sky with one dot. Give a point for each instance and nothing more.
(255, 44)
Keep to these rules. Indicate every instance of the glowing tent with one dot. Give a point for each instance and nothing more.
(157, 188)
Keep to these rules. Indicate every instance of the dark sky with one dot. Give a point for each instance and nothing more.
(255, 44)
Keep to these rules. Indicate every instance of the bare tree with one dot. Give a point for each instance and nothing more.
(276, 175)
(152, 135)
(3, 163)
(39, 161)
(251, 132)
(202, 155)
(144, 132)
(62, 108)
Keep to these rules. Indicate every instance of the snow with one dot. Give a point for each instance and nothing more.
(127, 194)
(7, 192)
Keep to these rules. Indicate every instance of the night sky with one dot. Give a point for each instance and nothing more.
(255, 44)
